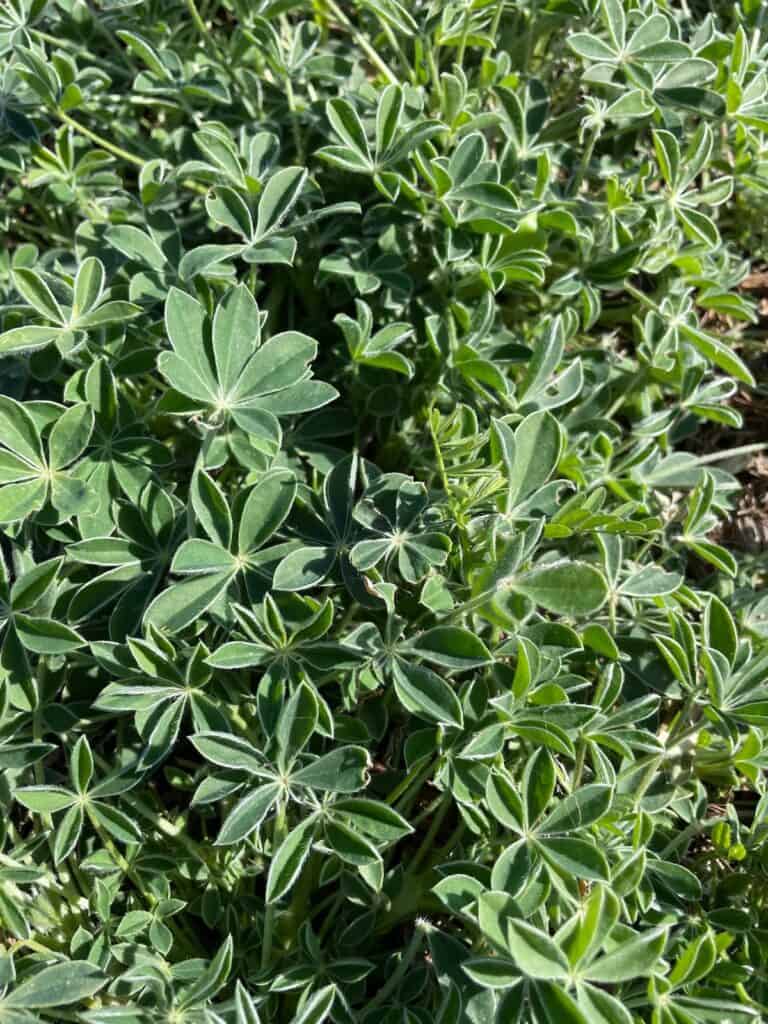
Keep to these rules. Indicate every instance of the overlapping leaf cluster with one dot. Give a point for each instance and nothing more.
(370, 649)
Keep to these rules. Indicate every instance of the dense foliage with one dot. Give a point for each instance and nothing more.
(371, 379)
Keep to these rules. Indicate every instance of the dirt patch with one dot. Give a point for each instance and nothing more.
(747, 526)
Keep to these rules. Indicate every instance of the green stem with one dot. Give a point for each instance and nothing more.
(684, 837)
(279, 828)
(394, 42)
(730, 453)
(295, 125)
(586, 159)
(399, 972)
(104, 143)
(199, 24)
(439, 457)
(648, 777)
(417, 774)
(429, 810)
(464, 35)
(656, 760)
(496, 20)
(298, 912)
(686, 722)
(118, 151)
(473, 603)
(38, 947)
(431, 835)
(638, 381)
(81, 51)
(39, 773)
(612, 613)
(336, 899)
(578, 770)
(216, 53)
(530, 36)
(362, 42)
(646, 300)
(454, 504)
(450, 843)
(434, 71)
(118, 858)
(168, 828)
(112, 43)
(24, 226)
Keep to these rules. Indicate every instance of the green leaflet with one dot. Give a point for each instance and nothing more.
(424, 692)
(289, 859)
(341, 771)
(567, 588)
(59, 985)
(247, 814)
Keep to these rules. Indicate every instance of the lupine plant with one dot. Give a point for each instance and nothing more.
(376, 391)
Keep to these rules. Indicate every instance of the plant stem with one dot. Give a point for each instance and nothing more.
(612, 601)
(336, 899)
(473, 603)
(646, 300)
(39, 772)
(38, 947)
(417, 773)
(104, 143)
(682, 838)
(730, 453)
(118, 858)
(199, 24)
(586, 159)
(464, 35)
(362, 42)
(578, 769)
(430, 809)
(217, 53)
(648, 777)
(295, 125)
(429, 838)
(82, 52)
(394, 42)
(453, 503)
(123, 154)
(434, 71)
(685, 723)
(494, 30)
(439, 457)
(399, 972)
(278, 834)
(129, 871)
(450, 842)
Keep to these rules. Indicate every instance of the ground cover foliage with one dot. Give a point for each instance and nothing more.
(371, 649)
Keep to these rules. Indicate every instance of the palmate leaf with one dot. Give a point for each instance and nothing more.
(211, 568)
(30, 474)
(230, 372)
(84, 307)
